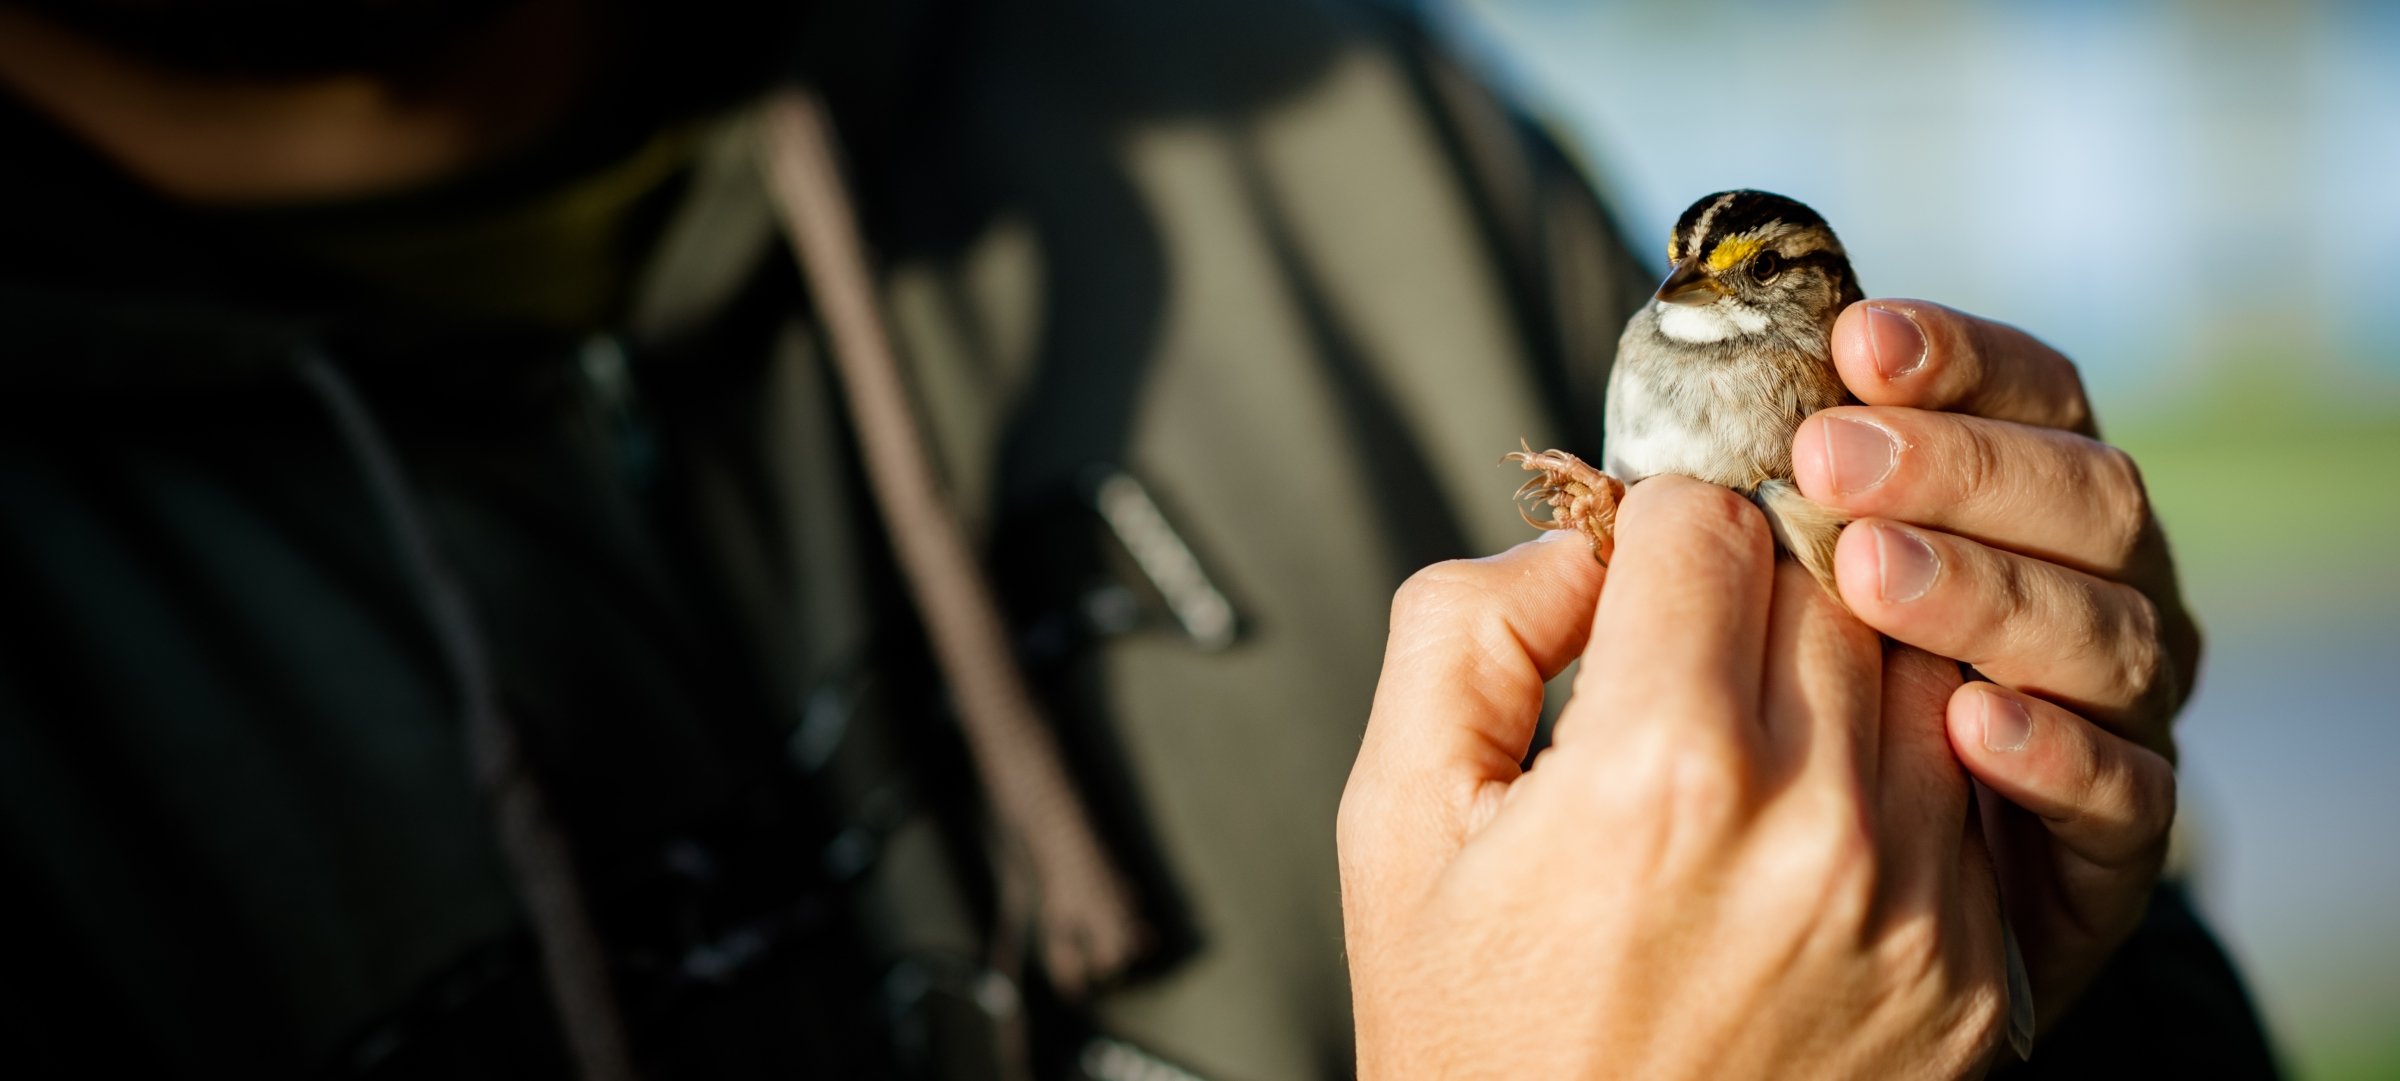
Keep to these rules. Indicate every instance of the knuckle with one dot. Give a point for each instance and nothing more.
(2016, 600)
(1696, 781)
(1915, 946)
(1359, 816)
(2140, 649)
(2074, 405)
(2019, 376)
(2124, 501)
(1435, 593)
(1845, 863)
(2043, 382)
(2049, 615)
(1452, 609)
(1980, 464)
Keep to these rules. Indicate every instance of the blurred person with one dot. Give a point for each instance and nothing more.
(469, 616)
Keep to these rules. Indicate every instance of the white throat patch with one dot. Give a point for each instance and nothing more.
(1696, 325)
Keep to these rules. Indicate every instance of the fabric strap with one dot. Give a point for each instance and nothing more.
(533, 844)
(1088, 922)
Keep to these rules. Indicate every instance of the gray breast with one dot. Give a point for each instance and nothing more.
(1723, 412)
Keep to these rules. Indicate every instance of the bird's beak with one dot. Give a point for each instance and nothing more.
(1689, 283)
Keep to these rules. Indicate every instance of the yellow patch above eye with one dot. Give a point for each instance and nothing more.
(1733, 251)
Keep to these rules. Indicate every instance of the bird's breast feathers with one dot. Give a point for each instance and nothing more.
(1720, 412)
(1678, 424)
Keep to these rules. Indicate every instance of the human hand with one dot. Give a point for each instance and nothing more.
(1746, 853)
(2031, 553)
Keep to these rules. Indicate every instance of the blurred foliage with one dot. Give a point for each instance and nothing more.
(2373, 1057)
(2273, 494)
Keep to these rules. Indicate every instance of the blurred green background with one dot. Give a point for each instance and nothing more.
(2201, 204)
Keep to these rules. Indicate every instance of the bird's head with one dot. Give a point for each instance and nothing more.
(1749, 263)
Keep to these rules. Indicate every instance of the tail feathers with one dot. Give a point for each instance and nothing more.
(1806, 529)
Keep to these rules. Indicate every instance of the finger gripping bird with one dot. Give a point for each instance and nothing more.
(1715, 373)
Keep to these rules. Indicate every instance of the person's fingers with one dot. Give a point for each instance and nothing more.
(1472, 642)
(1933, 868)
(2055, 495)
(1920, 797)
(2087, 643)
(1823, 679)
(1920, 354)
(1934, 850)
(2039, 492)
(1676, 642)
(2105, 800)
(1970, 887)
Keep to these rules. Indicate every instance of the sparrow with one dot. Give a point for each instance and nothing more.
(1716, 372)
(1713, 376)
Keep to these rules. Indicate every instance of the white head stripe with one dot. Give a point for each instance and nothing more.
(1700, 228)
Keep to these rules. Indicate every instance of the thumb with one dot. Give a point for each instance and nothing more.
(1472, 642)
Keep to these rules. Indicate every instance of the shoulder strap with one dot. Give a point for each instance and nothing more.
(1089, 926)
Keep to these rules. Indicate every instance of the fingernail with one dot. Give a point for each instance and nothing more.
(2006, 724)
(1559, 535)
(1897, 342)
(1905, 564)
(1858, 455)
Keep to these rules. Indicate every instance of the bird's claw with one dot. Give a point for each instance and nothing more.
(1579, 497)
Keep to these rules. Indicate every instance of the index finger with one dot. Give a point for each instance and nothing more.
(1472, 642)
(1920, 354)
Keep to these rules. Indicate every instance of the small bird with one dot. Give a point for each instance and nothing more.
(1713, 377)
(1715, 374)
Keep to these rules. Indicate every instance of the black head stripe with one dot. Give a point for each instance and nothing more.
(1745, 210)
(1751, 209)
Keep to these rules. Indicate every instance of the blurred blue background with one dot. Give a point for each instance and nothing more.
(2201, 204)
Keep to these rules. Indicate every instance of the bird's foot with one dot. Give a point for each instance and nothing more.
(1580, 497)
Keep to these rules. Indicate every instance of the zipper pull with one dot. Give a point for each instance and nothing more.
(607, 370)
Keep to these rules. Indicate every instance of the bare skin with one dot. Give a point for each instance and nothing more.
(1747, 852)
(224, 140)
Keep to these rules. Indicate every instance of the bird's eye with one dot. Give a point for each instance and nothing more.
(1764, 268)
